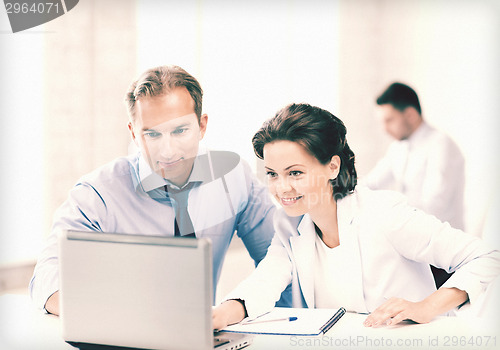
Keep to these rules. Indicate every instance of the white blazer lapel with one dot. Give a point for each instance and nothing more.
(303, 248)
(349, 238)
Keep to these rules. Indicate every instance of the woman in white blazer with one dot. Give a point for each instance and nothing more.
(338, 245)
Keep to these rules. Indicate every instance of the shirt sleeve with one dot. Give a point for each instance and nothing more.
(443, 183)
(83, 210)
(255, 222)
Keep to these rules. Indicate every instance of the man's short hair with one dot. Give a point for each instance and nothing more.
(400, 96)
(160, 81)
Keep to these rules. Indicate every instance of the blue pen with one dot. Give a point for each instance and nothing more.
(292, 318)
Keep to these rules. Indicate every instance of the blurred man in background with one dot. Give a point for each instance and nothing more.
(423, 163)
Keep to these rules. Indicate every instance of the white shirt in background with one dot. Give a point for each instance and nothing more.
(428, 168)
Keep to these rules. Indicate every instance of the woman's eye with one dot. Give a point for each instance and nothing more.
(271, 174)
(295, 173)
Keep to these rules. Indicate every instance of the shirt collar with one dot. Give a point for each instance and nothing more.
(346, 211)
(420, 133)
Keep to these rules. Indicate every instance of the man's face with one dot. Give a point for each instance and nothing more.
(395, 122)
(167, 131)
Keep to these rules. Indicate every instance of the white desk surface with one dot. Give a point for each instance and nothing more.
(23, 327)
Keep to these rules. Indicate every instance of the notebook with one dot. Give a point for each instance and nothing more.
(291, 321)
(138, 291)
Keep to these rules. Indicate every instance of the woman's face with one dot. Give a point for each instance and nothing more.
(297, 179)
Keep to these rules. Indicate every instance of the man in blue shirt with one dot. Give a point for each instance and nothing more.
(171, 187)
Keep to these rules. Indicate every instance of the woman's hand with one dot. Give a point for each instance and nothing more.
(52, 304)
(229, 312)
(396, 310)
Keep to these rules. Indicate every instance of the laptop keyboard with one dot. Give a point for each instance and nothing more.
(219, 341)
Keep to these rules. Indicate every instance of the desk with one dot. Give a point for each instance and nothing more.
(23, 327)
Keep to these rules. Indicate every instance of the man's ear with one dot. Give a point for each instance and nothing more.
(334, 167)
(203, 125)
(132, 133)
(411, 114)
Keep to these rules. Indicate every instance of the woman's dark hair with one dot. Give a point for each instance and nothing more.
(321, 133)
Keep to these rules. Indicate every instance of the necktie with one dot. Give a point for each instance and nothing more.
(183, 227)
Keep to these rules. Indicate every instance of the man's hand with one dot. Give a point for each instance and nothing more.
(229, 312)
(52, 304)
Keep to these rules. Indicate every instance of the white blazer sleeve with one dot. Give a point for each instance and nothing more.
(263, 288)
(423, 238)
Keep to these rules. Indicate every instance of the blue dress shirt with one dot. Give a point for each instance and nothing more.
(125, 196)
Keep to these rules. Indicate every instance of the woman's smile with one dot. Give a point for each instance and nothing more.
(289, 200)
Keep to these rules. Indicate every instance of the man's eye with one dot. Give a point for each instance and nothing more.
(152, 134)
(295, 173)
(179, 131)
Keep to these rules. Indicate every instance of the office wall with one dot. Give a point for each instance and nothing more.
(448, 51)
(253, 58)
(87, 65)
(21, 119)
(64, 82)
(63, 114)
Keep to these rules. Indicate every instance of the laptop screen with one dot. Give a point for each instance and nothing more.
(136, 290)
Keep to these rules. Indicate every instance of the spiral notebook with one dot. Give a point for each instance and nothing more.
(306, 322)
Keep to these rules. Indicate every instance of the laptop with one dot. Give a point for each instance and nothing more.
(137, 291)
